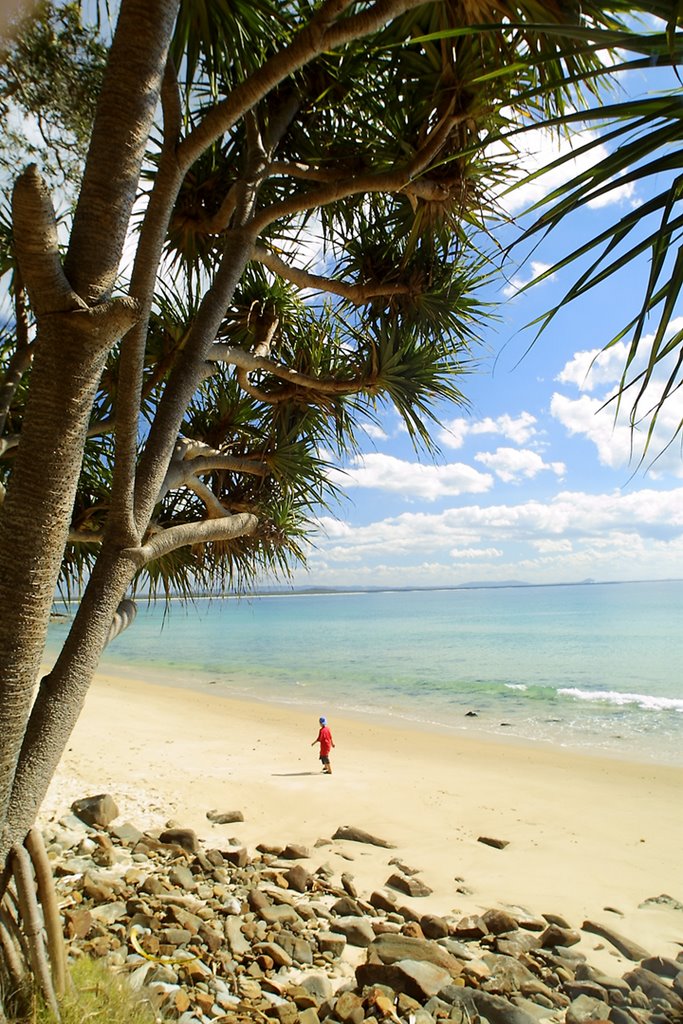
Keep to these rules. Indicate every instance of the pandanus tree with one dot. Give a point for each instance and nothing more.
(274, 233)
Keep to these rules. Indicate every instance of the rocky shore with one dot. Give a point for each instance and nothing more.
(233, 935)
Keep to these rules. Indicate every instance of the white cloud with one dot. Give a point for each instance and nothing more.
(606, 424)
(540, 149)
(514, 464)
(616, 444)
(574, 536)
(376, 432)
(412, 479)
(517, 282)
(519, 429)
(475, 553)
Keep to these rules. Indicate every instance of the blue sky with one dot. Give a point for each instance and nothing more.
(535, 482)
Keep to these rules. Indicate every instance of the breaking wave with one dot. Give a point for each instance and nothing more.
(642, 700)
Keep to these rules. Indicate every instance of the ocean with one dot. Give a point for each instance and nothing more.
(595, 668)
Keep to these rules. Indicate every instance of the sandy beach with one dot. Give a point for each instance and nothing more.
(588, 838)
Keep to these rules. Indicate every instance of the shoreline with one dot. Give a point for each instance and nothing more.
(478, 728)
(589, 837)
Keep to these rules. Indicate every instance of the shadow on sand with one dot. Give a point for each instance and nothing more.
(291, 775)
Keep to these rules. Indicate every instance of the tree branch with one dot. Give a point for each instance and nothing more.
(356, 293)
(246, 362)
(303, 172)
(326, 31)
(213, 505)
(228, 528)
(37, 246)
(125, 115)
(387, 181)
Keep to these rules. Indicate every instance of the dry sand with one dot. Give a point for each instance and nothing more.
(589, 838)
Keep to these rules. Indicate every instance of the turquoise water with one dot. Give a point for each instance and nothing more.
(596, 667)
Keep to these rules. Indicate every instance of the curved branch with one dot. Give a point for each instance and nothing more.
(213, 505)
(248, 363)
(356, 293)
(303, 172)
(388, 181)
(228, 528)
(124, 617)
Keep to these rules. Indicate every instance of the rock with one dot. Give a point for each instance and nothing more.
(282, 914)
(276, 953)
(235, 938)
(78, 922)
(499, 921)
(392, 948)
(663, 900)
(295, 851)
(530, 922)
(97, 811)
(409, 886)
(471, 927)
(309, 1015)
(126, 833)
(417, 978)
(584, 1009)
(319, 985)
(557, 919)
(331, 942)
(517, 943)
(182, 878)
(434, 927)
(504, 974)
(555, 936)
(183, 837)
(662, 966)
(348, 885)
(299, 878)
(584, 972)
(385, 901)
(297, 948)
(653, 986)
(224, 817)
(497, 1010)
(357, 930)
(238, 856)
(358, 835)
(349, 1008)
(631, 950)
(497, 844)
(346, 907)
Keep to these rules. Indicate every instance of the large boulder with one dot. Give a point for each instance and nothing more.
(416, 978)
(97, 811)
(390, 948)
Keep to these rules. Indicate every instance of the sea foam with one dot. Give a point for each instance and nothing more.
(645, 701)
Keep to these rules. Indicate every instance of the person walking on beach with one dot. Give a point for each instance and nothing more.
(324, 738)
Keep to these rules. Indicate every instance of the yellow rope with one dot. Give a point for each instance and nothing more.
(135, 943)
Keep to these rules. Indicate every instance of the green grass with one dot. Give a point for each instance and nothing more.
(97, 996)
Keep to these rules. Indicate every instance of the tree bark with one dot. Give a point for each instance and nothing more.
(72, 341)
(125, 113)
(62, 692)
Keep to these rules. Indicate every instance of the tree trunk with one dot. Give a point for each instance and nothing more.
(62, 692)
(35, 522)
(72, 343)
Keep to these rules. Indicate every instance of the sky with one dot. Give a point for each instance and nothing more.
(537, 481)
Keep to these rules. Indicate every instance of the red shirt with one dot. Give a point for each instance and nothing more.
(325, 741)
